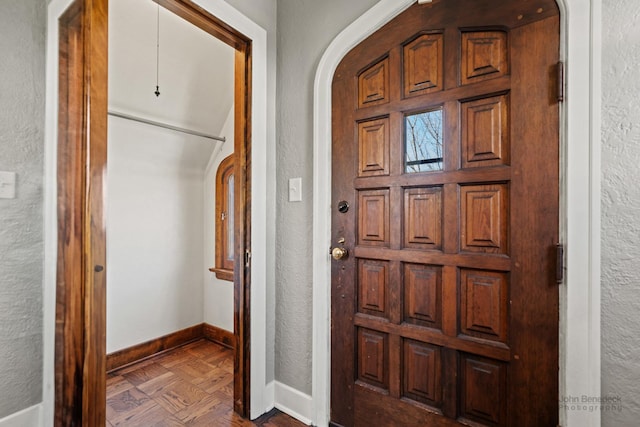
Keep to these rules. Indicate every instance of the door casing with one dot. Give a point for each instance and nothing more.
(242, 149)
(80, 345)
(86, 402)
(579, 192)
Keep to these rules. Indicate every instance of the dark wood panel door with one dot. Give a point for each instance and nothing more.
(446, 150)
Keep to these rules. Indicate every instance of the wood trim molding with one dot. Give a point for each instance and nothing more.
(242, 212)
(136, 353)
(223, 265)
(219, 336)
(80, 334)
(202, 19)
(222, 274)
(126, 356)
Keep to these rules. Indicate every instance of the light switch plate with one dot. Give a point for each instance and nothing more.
(7, 185)
(295, 190)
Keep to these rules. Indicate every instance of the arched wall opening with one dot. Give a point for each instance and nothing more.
(579, 193)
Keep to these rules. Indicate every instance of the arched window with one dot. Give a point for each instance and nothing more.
(225, 220)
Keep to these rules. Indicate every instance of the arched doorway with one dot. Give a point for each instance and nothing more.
(579, 328)
(446, 305)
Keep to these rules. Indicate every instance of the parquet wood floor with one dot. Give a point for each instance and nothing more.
(188, 386)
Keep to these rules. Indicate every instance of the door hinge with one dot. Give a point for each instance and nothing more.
(560, 89)
(247, 258)
(559, 263)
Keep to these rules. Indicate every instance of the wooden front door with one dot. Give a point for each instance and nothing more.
(445, 197)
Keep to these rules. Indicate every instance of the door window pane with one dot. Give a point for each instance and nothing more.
(423, 141)
(225, 251)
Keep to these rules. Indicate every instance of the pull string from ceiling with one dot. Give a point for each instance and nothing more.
(157, 92)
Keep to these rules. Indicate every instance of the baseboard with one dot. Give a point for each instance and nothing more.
(269, 396)
(219, 336)
(136, 353)
(293, 402)
(30, 417)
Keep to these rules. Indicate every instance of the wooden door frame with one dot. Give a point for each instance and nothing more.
(579, 192)
(204, 20)
(80, 345)
(80, 334)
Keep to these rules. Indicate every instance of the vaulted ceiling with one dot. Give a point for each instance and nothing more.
(195, 69)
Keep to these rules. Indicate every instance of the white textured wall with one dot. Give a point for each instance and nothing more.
(305, 29)
(621, 209)
(22, 84)
(155, 226)
(218, 294)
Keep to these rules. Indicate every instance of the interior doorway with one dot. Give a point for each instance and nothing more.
(80, 358)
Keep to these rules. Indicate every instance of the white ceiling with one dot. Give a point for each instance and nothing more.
(196, 69)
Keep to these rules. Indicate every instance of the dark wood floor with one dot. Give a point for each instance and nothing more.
(189, 386)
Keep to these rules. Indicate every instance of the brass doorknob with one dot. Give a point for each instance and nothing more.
(339, 253)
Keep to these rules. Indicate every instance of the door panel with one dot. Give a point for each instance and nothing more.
(445, 146)
(374, 147)
(423, 64)
(484, 56)
(423, 218)
(373, 84)
(485, 140)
